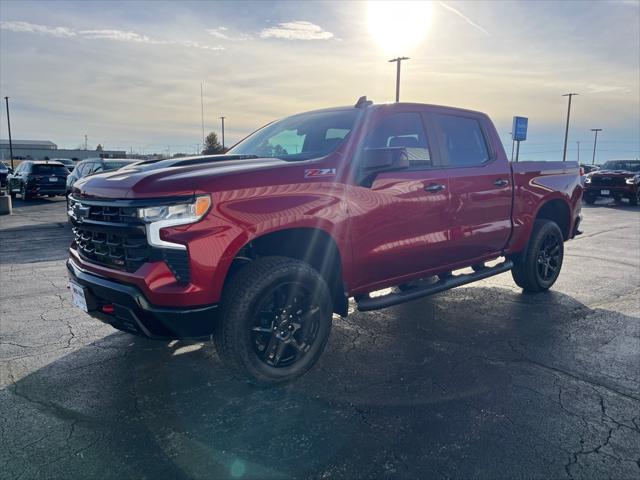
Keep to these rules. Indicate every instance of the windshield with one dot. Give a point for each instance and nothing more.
(628, 165)
(49, 170)
(300, 137)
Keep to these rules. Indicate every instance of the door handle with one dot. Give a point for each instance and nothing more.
(434, 187)
(500, 182)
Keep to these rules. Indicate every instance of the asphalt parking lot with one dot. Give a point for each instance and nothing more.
(481, 381)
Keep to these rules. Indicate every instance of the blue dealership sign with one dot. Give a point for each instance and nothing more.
(519, 128)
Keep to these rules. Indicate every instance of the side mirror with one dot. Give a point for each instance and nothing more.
(378, 160)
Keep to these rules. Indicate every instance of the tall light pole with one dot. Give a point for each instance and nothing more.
(595, 142)
(202, 114)
(6, 101)
(578, 142)
(566, 131)
(222, 118)
(398, 60)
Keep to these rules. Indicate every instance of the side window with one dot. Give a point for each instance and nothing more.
(88, 168)
(463, 139)
(97, 167)
(402, 130)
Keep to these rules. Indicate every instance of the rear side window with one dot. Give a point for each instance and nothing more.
(402, 130)
(463, 140)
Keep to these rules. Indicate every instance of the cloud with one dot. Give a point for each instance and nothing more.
(298, 30)
(26, 27)
(119, 35)
(464, 17)
(100, 34)
(219, 32)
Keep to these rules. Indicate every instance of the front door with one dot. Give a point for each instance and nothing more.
(399, 224)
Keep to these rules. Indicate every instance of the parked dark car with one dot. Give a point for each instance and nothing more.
(38, 178)
(95, 165)
(4, 172)
(616, 179)
(67, 162)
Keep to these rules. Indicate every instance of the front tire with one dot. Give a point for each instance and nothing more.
(538, 270)
(634, 199)
(275, 320)
(589, 200)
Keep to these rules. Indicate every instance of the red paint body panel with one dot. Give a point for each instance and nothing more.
(386, 233)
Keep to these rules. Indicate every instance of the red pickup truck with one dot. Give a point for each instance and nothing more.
(260, 246)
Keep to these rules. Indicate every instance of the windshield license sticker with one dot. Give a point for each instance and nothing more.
(319, 172)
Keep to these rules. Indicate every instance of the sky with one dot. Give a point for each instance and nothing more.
(129, 74)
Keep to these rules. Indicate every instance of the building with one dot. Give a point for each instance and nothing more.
(45, 149)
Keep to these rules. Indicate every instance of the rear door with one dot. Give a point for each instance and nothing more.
(480, 185)
(398, 223)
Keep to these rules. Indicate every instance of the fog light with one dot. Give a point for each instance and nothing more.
(108, 309)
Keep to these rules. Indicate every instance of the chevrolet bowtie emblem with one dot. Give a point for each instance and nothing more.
(80, 211)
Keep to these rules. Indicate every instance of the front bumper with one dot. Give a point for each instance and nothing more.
(131, 312)
(614, 191)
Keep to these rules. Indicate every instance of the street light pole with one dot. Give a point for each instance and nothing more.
(222, 118)
(6, 100)
(398, 60)
(566, 131)
(595, 142)
(578, 142)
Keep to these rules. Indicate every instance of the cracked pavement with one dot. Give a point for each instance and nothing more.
(481, 381)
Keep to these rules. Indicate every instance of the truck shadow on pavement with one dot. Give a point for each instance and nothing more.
(476, 382)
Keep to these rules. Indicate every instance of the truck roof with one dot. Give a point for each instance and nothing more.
(377, 106)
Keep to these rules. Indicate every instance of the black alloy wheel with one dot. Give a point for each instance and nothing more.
(275, 320)
(537, 268)
(548, 259)
(285, 325)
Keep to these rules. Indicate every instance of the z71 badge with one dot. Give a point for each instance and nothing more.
(319, 172)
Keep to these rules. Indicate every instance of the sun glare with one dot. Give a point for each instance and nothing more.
(399, 26)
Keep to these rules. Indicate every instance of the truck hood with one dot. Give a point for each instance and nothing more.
(168, 177)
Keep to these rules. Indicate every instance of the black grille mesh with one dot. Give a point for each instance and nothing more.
(114, 236)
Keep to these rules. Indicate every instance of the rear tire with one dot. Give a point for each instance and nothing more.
(275, 320)
(23, 192)
(538, 270)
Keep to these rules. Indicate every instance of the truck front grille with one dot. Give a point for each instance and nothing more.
(124, 250)
(108, 233)
(604, 181)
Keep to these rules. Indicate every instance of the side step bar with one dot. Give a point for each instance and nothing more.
(366, 304)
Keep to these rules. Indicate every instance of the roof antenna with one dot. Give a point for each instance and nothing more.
(363, 102)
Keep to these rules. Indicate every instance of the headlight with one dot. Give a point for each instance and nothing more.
(587, 180)
(182, 212)
(164, 216)
(630, 181)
